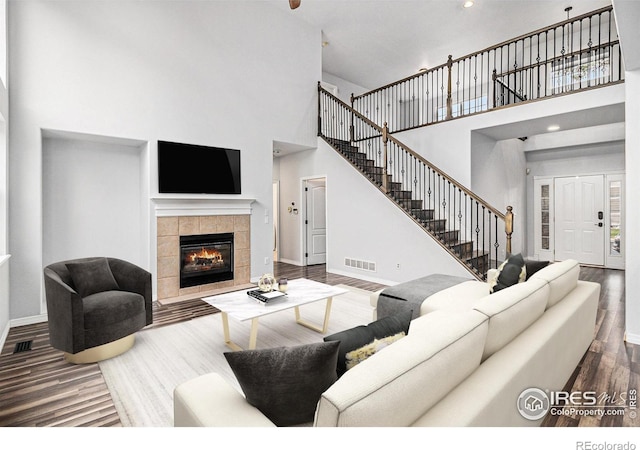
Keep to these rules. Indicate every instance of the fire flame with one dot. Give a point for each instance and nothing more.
(206, 254)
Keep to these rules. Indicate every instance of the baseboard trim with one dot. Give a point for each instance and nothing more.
(290, 261)
(362, 277)
(28, 320)
(3, 336)
(632, 338)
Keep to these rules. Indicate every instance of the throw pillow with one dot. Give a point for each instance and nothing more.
(91, 277)
(534, 266)
(358, 355)
(362, 335)
(286, 383)
(510, 272)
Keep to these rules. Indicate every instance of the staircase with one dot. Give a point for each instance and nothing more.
(464, 225)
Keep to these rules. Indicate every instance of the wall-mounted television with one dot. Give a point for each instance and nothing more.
(197, 169)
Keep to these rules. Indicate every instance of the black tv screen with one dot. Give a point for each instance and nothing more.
(197, 169)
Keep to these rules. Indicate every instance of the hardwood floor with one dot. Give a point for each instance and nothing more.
(39, 389)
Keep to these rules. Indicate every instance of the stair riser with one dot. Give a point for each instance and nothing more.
(464, 250)
(423, 214)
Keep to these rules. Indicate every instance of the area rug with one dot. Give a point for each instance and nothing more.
(142, 380)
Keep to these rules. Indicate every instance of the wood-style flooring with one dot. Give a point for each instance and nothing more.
(39, 389)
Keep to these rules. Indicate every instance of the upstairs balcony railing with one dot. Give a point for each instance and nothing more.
(574, 55)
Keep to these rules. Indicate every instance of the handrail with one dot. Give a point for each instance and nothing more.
(460, 221)
(540, 31)
(412, 152)
(448, 177)
(575, 54)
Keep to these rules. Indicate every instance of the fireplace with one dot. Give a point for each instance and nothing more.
(206, 258)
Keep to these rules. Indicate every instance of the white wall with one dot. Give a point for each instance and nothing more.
(208, 73)
(498, 177)
(92, 197)
(4, 182)
(632, 189)
(345, 88)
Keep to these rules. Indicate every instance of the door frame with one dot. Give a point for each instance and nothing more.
(303, 207)
(610, 261)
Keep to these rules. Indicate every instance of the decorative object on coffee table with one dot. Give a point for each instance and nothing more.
(266, 282)
(283, 284)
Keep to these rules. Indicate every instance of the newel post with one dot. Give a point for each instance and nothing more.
(508, 227)
(385, 140)
(449, 99)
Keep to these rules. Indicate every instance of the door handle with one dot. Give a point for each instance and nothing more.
(599, 224)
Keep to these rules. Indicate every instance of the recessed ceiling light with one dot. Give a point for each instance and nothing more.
(468, 4)
(553, 128)
(422, 69)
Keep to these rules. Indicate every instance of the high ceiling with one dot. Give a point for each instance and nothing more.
(375, 42)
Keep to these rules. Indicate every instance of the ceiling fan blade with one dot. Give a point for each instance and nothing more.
(293, 4)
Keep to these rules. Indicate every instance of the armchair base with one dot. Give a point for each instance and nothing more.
(101, 352)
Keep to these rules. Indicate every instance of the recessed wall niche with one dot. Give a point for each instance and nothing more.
(94, 197)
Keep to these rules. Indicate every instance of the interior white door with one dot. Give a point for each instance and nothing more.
(316, 221)
(580, 222)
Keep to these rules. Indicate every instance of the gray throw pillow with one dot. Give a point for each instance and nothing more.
(91, 277)
(510, 272)
(285, 383)
(362, 335)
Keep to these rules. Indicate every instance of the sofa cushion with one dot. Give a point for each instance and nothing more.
(109, 307)
(460, 297)
(90, 277)
(562, 278)
(510, 272)
(396, 386)
(362, 335)
(285, 383)
(511, 311)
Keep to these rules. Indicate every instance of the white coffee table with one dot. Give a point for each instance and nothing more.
(242, 307)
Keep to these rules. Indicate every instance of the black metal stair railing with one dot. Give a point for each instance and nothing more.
(461, 222)
(571, 56)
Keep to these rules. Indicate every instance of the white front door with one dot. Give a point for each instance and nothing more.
(579, 215)
(316, 221)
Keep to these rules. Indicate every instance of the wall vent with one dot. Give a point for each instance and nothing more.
(360, 264)
(23, 346)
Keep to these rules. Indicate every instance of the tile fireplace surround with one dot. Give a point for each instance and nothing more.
(169, 231)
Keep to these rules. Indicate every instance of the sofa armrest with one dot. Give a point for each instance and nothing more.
(460, 297)
(132, 278)
(65, 314)
(373, 301)
(209, 401)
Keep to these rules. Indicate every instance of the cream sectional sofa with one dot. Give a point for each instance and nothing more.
(464, 362)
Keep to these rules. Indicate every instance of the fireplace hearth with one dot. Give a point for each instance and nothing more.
(206, 258)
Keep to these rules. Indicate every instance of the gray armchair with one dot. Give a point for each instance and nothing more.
(95, 305)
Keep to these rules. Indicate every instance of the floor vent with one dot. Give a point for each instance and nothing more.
(23, 346)
(360, 264)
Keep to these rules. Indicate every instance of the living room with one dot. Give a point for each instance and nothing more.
(115, 81)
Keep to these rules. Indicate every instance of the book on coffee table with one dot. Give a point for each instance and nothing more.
(265, 297)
